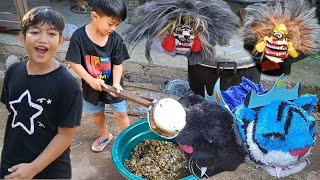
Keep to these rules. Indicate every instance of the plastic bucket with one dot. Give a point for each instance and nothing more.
(127, 140)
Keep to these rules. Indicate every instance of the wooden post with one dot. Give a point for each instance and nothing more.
(21, 7)
(11, 21)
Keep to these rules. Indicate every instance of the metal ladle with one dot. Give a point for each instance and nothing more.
(166, 116)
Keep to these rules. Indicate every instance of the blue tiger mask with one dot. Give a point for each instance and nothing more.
(279, 136)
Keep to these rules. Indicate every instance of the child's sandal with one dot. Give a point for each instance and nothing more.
(98, 146)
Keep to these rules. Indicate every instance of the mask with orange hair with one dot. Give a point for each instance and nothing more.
(281, 32)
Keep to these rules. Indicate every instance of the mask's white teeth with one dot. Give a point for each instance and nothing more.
(203, 171)
(278, 171)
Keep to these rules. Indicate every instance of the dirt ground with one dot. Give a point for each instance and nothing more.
(88, 165)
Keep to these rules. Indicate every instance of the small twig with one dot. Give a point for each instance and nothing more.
(76, 146)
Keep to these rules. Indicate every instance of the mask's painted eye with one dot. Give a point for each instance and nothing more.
(275, 136)
(178, 31)
(312, 125)
(277, 35)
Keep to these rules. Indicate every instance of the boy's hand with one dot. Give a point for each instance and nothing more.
(118, 88)
(21, 171)
(96, 83)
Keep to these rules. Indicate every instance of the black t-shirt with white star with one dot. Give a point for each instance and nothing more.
(38, 105)
(98, 61)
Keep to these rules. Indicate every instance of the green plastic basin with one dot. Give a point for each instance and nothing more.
(127, 140)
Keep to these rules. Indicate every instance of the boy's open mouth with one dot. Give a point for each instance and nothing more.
(41, 49)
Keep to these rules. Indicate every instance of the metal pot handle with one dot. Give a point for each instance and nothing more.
(222, 64)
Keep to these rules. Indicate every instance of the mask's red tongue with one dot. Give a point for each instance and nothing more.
(41, 51)
(185, 148)
(300, 152)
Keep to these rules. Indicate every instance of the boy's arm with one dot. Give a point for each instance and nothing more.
(117, 74)
(54, 149)
(95, 83)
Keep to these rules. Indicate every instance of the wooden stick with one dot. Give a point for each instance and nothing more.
(127, 96)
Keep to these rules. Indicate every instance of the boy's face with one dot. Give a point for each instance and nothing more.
(41, 42)
(105, 24)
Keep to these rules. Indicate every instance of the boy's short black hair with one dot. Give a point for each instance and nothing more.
(41, 15)
(111, 8)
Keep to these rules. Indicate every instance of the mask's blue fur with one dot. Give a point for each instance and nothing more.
(274, 133)
(209, 130)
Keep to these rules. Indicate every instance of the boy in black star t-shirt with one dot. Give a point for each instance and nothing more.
(44, 101)
(96, 53)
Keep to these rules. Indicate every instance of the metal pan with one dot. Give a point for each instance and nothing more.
(166, 116)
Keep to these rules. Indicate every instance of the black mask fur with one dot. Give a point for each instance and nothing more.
(209, 130)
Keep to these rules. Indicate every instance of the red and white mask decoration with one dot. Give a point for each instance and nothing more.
(183, 38)
(276, 48)
(277, 45)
